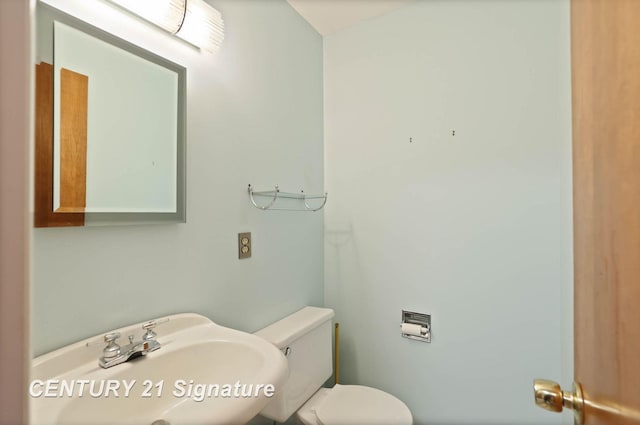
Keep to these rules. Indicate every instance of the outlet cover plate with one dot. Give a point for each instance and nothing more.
(244, 245)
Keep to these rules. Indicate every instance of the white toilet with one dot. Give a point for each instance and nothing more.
(305, 338)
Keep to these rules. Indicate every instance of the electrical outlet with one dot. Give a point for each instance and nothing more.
(244, 245)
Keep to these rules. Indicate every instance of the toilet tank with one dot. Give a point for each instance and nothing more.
(305, 338)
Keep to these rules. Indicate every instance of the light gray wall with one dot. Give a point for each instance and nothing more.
(475, 228)
(254, 116)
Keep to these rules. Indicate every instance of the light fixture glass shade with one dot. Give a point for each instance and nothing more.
(203, 26)
(167, 14)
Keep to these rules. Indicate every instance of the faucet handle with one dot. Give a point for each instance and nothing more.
(149, 326)
(111, 337)
(112, 349)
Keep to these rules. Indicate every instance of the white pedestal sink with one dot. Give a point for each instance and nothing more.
(202, 374)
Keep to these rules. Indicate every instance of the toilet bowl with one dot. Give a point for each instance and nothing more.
(353, 405)
(305, 339)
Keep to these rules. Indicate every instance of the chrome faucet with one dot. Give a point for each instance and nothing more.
(113, 354)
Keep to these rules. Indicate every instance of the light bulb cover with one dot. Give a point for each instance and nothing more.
(194, 21)
(203, 26)
(167, 14)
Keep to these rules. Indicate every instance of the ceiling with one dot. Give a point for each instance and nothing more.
(329, 16)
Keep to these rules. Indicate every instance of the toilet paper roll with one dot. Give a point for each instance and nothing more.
(413, 329)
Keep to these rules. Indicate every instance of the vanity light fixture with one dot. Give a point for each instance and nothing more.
(194, 21)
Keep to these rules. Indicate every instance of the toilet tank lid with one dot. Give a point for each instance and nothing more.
(285, 331)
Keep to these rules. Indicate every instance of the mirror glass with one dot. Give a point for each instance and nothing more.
(118, 125)
(132, 111)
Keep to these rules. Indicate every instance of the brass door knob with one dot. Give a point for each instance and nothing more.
(549, 396)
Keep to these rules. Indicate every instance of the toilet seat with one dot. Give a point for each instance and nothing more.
(358, 405)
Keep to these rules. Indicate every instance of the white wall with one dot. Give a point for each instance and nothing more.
(254, 116)
(475, 228)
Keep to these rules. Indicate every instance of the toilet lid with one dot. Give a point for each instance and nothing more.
(357, 405)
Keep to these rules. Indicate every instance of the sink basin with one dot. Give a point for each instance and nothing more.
(202, 374)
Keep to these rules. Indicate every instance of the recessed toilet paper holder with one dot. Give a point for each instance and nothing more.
(416, 326)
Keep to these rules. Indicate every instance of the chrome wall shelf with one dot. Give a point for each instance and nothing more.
(317, 201)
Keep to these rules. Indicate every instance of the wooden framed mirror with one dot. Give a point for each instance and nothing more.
(110, 128)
